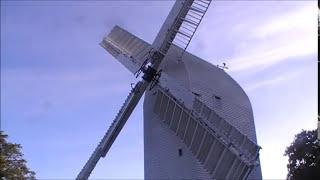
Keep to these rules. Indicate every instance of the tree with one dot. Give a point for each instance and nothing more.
(12, 164)
(304, 156)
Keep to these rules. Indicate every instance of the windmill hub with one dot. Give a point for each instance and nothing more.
(149, 73)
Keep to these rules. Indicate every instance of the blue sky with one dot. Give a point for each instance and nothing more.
(60, 90)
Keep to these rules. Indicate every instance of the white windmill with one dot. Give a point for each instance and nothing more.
(198, 122)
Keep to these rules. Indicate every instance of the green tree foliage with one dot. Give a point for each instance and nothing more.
(304, 156)
(12, 164)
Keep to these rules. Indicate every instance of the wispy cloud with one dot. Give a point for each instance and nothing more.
(280, 38)
(301, 19)
(272, 81)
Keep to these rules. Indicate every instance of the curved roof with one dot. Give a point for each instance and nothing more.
(210, 84)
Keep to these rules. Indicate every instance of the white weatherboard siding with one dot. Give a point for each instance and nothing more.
(181, 78)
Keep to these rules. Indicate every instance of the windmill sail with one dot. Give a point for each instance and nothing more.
(178, 29)
(128, 49)
(181, 24)
(114, 130)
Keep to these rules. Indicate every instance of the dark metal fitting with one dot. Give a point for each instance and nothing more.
(149, 74)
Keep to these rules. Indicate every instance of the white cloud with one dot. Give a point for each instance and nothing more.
(274, 81)
(301, 19)
(285, 36)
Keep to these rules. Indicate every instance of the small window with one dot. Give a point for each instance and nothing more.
(180, 152)
(197, 105)
(205, 112)
(217, 102)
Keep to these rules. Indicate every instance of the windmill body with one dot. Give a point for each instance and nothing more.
(167, 155)
(198, 122)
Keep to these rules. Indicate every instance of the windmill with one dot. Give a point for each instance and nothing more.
(198, 122)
